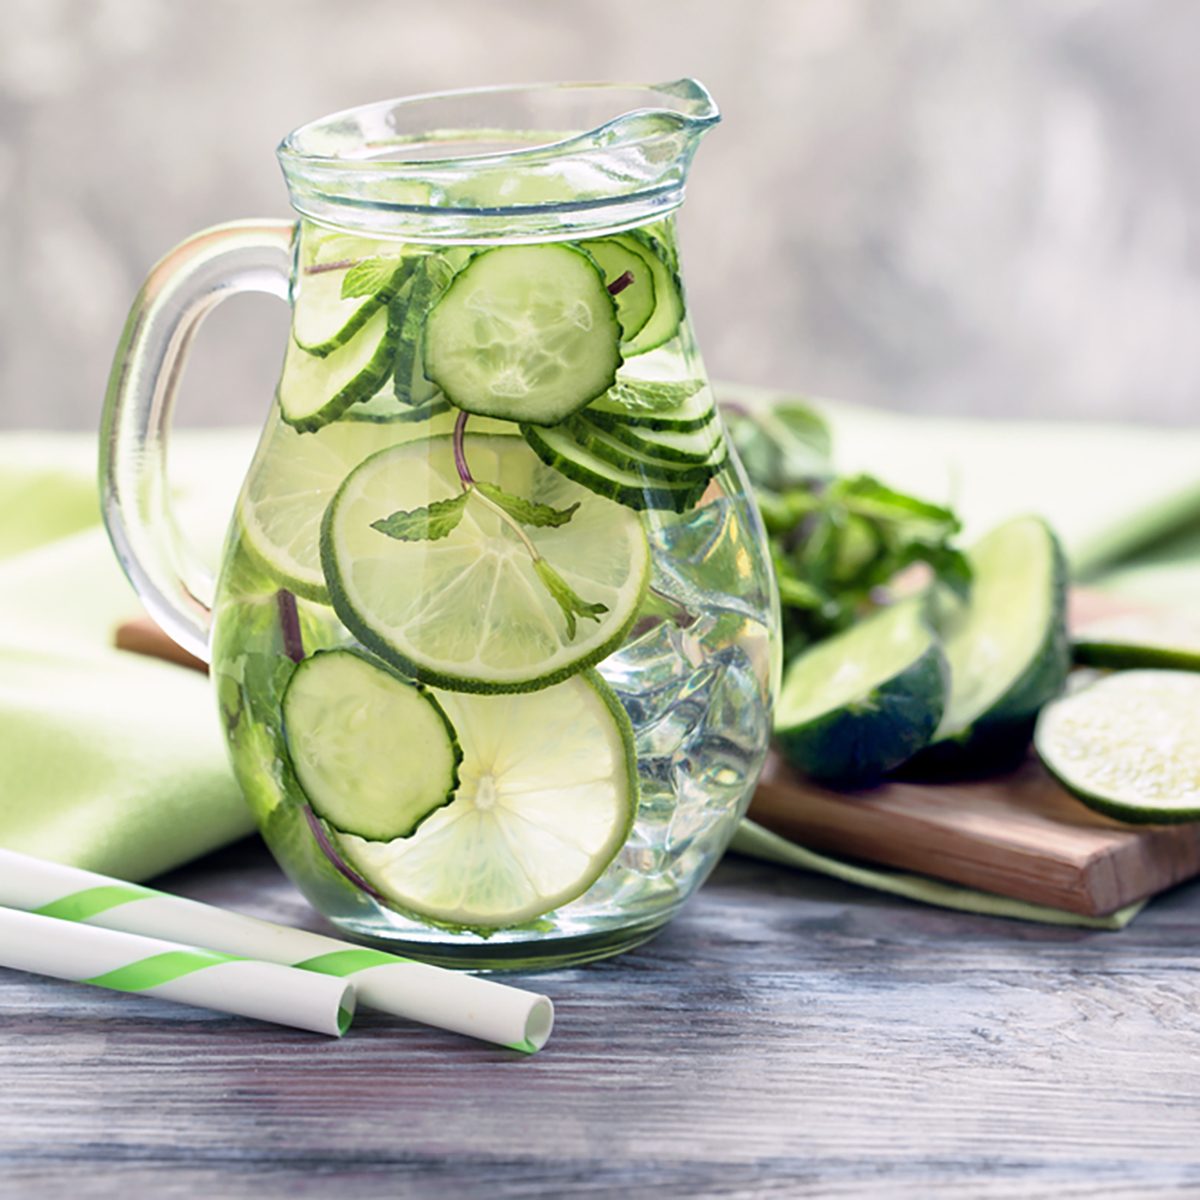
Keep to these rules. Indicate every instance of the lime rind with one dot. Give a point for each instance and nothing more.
(1126, 745)
(548, 797)
(1166, 640)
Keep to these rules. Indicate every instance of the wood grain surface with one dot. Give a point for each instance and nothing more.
(1019, 834)
(788, 1036)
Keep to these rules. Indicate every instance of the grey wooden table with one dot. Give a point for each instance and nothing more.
(788, 1036)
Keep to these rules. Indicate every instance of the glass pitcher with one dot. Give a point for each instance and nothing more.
(494, 638)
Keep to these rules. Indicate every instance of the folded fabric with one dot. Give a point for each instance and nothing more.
(114, 763)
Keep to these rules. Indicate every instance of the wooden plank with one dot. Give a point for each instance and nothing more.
(786, 1036)
(1018, 834)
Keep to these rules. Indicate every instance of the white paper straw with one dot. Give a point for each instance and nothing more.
(125, 962)
(480, 1008)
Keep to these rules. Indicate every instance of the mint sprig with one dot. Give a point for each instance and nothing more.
(572, 604)
(425, 524)
(528, 512)
(370, 277)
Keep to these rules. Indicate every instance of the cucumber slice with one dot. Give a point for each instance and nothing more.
(864, 701)
(468, 611)
(1127, 745)
(668, 295)
(557, 448)
(1007, 646)
(341, 714)
(411, 386)
(384, 409)
(548, 796)
(524, 333)
(651, 404)
(290, 483)
(635, 302)
(610, 448)
(1170, 640)
(704, 445)
(315, 391)
(322, 320)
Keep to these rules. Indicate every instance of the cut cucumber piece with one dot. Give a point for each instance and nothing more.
(668, 295)
(411, 386)
(704, 445)
(469, 611)
(557, 448)
(635, 301)
(341, 717)
(1007, 645)
(547, 799)
(524, 333)
(610, 448)
(864, 701)
(651, 404)
(315, 391)
(322, 320)
(384, 408)
(1127, 746)
(1170, 640)
(290, 483)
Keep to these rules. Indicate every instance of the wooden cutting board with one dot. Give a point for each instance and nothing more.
(1018, 834)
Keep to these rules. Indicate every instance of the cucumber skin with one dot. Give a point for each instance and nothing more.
(844, 748)
(625, 431)
(1119, 656)
(1001, 736)
(362, 387)
(426, 695)
(662, 422)
(652, 495)
(369, 307)
(648, 248)
(643, 462)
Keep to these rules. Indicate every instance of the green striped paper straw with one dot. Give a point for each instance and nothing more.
(481, 1008)
(126, 962)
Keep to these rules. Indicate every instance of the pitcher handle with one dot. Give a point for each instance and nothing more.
(180, 291)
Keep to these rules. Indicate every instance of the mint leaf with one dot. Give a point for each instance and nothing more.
(369, 277)
(652, 396)
(528, 512)
(565, 597)
(425, 524)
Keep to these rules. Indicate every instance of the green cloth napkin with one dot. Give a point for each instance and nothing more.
(115, 763)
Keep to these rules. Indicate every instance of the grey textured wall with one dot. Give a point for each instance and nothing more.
(951, 205)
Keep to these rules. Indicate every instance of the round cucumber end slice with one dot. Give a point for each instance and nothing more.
(547, 799)
(469, 611)
(865, 701)
(1126, 745)
(524, 333)
(341, 718)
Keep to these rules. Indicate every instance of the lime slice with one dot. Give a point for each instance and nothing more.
(1140, 640)
(1127, 745)
(292, 479)
(469, 611)
(864, 701)
(547, 799)
(340, 717)
(1007, 646)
